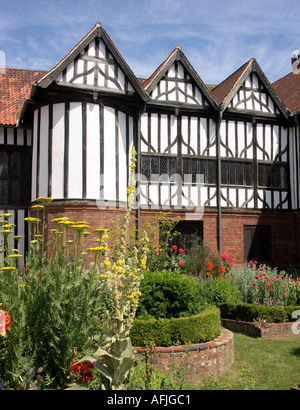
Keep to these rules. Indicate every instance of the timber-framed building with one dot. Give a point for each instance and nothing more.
(225, 158)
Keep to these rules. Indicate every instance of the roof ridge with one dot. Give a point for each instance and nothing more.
(221, 97)
(26, 69)
(160, 67)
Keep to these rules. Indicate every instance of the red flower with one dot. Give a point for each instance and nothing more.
(237, 279)
(7, 321)
(181, 263)
(180, 250)
(221, 269)
(254, 284)
(4, 322)
(209, 266)
(83, 368)
(224, 256)
(174, 248)
(75, 368)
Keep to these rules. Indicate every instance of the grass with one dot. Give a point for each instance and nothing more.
(260, 364)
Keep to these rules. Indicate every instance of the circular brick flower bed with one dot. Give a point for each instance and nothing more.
(197, 360)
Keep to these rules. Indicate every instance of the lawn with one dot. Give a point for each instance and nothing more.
(260, 364)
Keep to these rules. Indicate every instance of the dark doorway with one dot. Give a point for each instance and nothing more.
(257, 243)
(188, 233)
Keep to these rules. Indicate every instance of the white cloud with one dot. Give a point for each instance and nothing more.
(216, 36)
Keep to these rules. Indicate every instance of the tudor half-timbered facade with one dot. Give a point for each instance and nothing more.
(224, 158)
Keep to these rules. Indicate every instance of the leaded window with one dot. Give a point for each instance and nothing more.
(272, 175)
(236, 173)
(15, 175)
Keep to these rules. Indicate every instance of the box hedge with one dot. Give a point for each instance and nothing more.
(247, 312)
(177, 331)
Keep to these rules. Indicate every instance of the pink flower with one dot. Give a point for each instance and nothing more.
(180, 250)
(181, 263)
(174, 248)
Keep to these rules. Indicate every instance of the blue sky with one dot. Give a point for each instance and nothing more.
(217, 36)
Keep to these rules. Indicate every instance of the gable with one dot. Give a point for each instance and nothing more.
(249, 90)
(175, 80)
(95, 66)
(254, 96)
(178, 85)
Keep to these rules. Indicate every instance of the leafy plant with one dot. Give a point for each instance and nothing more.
(123, 277)
(166, 294)
(53, 303)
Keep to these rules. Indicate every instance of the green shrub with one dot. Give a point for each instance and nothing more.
(167, 294)
(247, 312)
(167, 332)
(216, 291)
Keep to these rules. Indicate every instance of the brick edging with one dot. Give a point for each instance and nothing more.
(268, 331)
(197, 360)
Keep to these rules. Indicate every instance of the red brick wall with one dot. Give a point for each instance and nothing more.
(285, 226)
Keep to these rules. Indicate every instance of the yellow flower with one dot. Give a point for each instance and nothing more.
(56, 220)
(100, 231)
(6, 231)
(7, 225)
(32, 220)
(7, 215)
(65, 222)
(15, 256)
(38, 207)
(55, 231)
(8, 268)
(79, 227)
(43, 200)
(102, 276)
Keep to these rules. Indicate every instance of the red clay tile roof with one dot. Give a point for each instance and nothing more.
(159, 68)
(288, 90)
(221, 91)
(15, 88)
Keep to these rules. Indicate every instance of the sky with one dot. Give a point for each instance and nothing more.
(216, 36)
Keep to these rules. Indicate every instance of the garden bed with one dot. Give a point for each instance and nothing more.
(266, 331)
(197, 360)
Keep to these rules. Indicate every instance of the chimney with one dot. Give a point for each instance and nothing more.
(295, 60)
